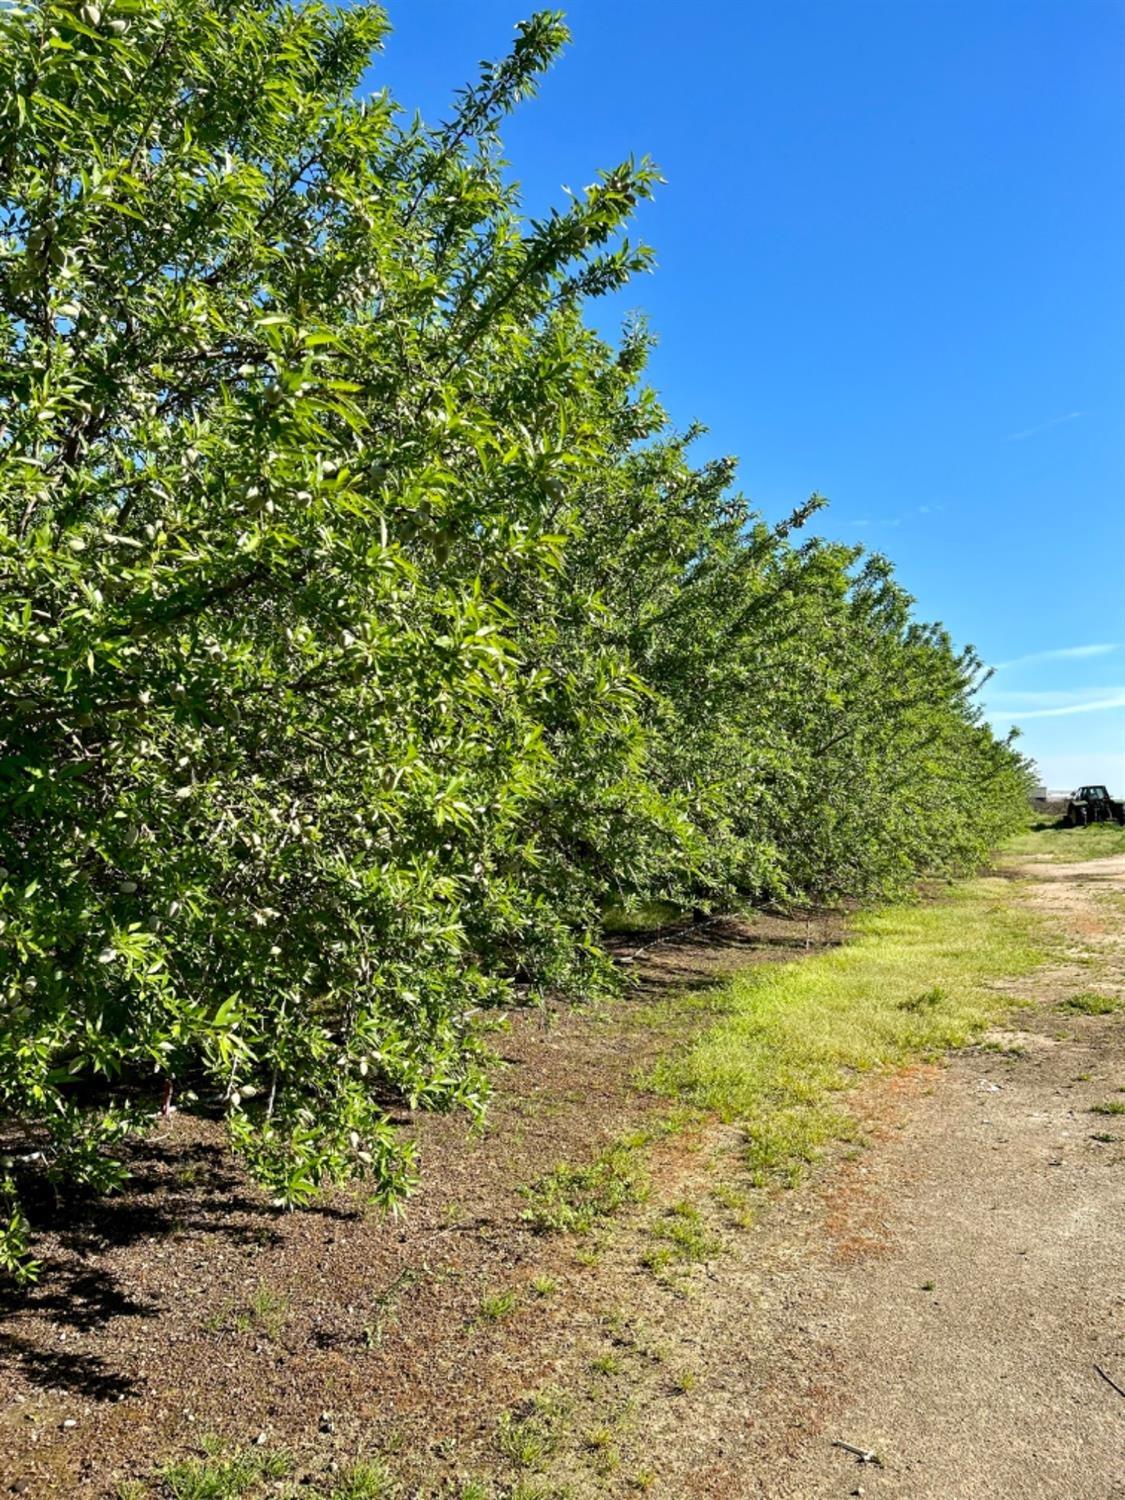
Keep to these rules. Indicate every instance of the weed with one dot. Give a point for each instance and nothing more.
(530, 1489)
(924, 1001)
(606, 1462)
(684, 1381)
(643, 1480)
(1090, 1003)
(529, 1440)
(683, 1238)
(216, 1322)
(268, 1312)
(657, 1351)
(1103, 1137)
(1109, 1107)
(606, 1364)
(544, 1286)
(384, 1305)
(369, 1479)
(223, 1477)
(736, 1202)
(927, 1286)
(599, 1437)
(1004, 1049)
(573, 1198)
(474, 1489)
(616, 1319)
(499, 1305)
(657, 1258)
(132, 1489)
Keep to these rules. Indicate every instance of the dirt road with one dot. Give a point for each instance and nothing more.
(944, 1298)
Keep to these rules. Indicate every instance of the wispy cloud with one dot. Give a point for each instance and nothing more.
(1004, 698)
(1071, 416)
(919, 510)
(1091, 706)
(1063, 653)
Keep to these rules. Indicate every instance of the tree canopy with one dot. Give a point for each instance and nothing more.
(366, 626)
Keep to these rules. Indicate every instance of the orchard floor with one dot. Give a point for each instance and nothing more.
(940, 1295)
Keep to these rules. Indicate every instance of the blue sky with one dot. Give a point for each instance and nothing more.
(889, 268)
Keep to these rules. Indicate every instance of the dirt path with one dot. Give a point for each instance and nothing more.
(943, 1298)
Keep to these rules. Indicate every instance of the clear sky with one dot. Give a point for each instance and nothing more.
(891, 268)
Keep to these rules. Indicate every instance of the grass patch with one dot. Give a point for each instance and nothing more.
(1109, 1107)
(369, 1479)
(1069, 845)
(223, 1476)
(736, 1203)
(256, 1472)
(648, 916)
(1092, 1004)
(681, 1236)
(266, 1313)
(528, 1440)
(500, 1305)
(911, 983)
(572, 1199)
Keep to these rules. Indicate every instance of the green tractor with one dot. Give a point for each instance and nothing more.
(1092, 804)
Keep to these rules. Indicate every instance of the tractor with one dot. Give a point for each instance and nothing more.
(1092, 804)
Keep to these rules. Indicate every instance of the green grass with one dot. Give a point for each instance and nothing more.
(572, 1199)
(369, 1479)
(220, 1476)
(528, 1441)
(256, 1473)
(267, 1313)
(1092, 1004)
(1110, 1107)
(499, 1305)
(1066, 845)
(681, 1236)
(910, 984)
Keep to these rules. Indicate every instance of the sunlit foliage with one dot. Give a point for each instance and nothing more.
(365, 628)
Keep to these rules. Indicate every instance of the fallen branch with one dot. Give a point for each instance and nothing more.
(865, 1455)
(679, 932)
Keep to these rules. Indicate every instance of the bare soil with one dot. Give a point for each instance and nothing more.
(939, 1295)
(187, 1306)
